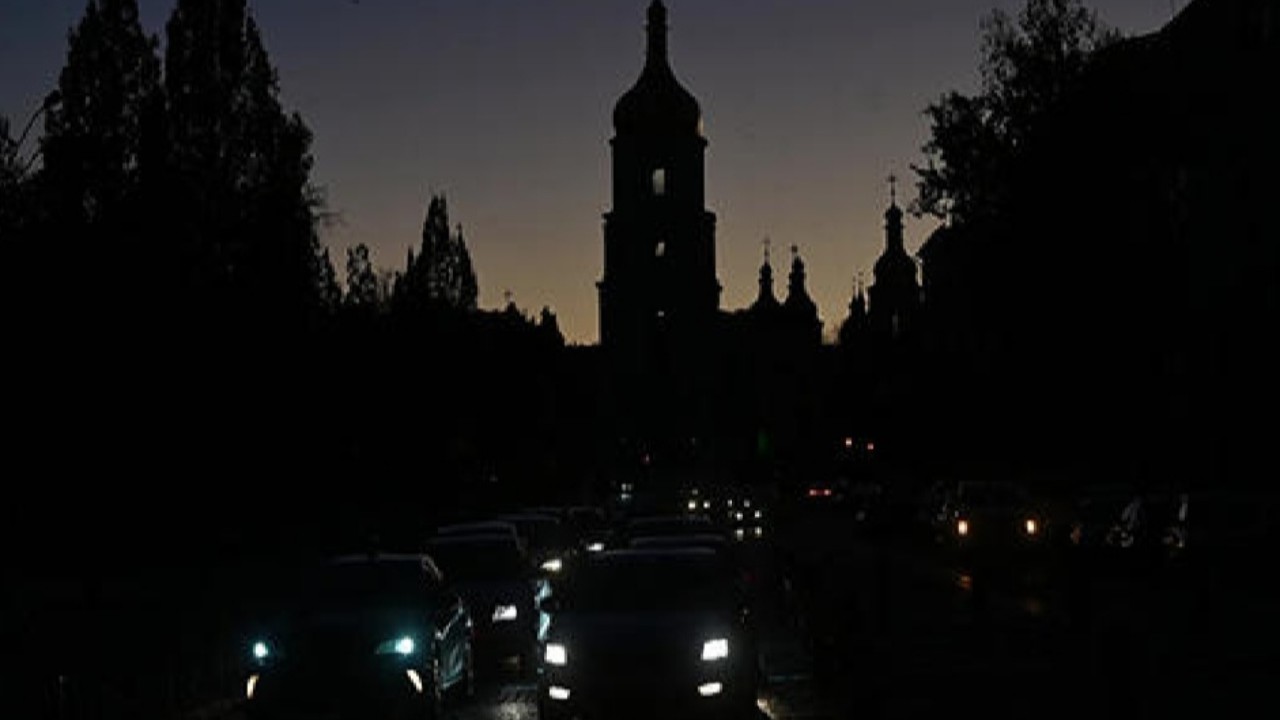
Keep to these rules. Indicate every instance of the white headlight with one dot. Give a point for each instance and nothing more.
(715, 649)
(556, 654)
(552, 565)
(504, 613)
(403, 645)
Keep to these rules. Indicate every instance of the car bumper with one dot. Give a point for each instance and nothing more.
(708, 696)
(307, 693)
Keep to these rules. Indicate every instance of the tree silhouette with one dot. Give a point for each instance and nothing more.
(440, 276)
(11, 181)
(1027, 67)
(362, 294)
(94, 144)
(246, 209)
(101, 159)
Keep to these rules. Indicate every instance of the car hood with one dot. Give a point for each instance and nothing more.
(638, 629)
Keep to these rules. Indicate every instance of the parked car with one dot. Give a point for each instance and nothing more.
(545, 536)
(1128, 523)
(374, 635)
(669, 524)
(651, 632)
(990, 516)
(480, 527)
(496, 578)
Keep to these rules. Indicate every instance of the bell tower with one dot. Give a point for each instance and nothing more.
(659, 297)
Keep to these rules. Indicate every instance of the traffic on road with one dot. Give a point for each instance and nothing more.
(786, 604)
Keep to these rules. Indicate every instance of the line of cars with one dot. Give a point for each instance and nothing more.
(652, 614)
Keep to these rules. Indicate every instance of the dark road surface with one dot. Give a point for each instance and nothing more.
(853, 626)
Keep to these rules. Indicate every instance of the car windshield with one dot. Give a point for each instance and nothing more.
(994, 495)
(652, 581)
(479, 560)
(350, 585)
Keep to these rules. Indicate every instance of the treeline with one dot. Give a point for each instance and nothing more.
(181, 350)
(1103, 288)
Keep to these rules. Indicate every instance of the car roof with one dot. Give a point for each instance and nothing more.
(472, 538)
(422, 560)
(477, 526)
(672, 520)
(679, 540)
(536, 517)
(655, 553)
(476, 539)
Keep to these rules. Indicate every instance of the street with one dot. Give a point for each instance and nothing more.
(851, 624)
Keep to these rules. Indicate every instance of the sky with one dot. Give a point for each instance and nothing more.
(505, 107)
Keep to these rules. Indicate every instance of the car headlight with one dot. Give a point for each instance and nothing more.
(556, 654)
(505, 613)
(962, 527)
(1031, 526)
(715, 649)
(261, 650)
(404, 646)
(554, 564)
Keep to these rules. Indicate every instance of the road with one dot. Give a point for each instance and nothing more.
(852, 624)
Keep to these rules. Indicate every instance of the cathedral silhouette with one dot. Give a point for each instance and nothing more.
(693, 388)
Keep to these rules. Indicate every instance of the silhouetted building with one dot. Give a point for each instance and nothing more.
(659, 296)
(894, 302)
(726, 391)
(1118, 307)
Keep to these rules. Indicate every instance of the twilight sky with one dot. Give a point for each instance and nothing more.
(506, 107)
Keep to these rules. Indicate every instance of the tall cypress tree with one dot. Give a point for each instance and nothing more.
(248, 210)
(99, 161)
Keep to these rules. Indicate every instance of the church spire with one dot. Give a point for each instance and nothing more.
(797, 293)
(656, 52)
(766, 298)
(893, 219)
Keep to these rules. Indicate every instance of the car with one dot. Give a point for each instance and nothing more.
(496, 578)
(990, 516)
(650, 632)
(1137, 526)
(479, 527)
(545, 536)
(747, 564)
(373, 635)
(666, 524)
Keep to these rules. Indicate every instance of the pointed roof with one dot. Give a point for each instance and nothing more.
(765, 300)
(894, 265)
(798, 299)
(657, 103)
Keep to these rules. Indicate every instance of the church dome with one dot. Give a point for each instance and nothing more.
(657, 103)
(895, 265)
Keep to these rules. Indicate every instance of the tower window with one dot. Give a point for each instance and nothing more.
(660, 249)
(660, 182)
